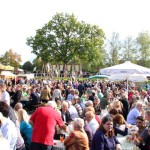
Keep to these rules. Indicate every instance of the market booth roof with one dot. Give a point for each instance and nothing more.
(2, 67)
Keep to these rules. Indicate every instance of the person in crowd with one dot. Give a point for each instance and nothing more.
(81, 88)
(120, 125)
(90, 108)
(18, 95)
(65, 114)
(89, 133)
(144, 135)
(4, 143)
(44, 120)
(105, 101)
(45, 94)
(72, 110)
(8, 131)
(79, 101)
(89, 103)
(57, 93)
(99, 93)
(117, 105)
(123, 99)
(135, 112)
(77, 106)
(97, 106)
(5, 95)
(77, 140)
(25, 127)
(17, 107)
(92, 95)
(113, 112)
(104, 138)
(8, 112)
(140, 123)
(24, 93)
(71, 94)
(59, 103)
(34, 97)
(91, 121)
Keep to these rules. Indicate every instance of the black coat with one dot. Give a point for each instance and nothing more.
(67, 115)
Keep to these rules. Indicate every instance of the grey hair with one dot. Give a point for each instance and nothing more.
(64, 103)
(89, 103)
(52, 104)
(78, 123)
(139, 103)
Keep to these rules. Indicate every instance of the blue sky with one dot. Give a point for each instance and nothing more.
(20, 18)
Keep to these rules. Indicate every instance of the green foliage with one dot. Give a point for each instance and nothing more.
(64, 39)
(11, 58)
(143, 41)
(129, 50)
(27, 66)
(114, 49)
(37, 62)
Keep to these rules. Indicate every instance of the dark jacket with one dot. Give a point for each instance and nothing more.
(67, 116)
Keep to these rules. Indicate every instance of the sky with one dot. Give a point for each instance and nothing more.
(20, 19)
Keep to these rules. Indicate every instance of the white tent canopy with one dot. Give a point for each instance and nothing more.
(7, 73)
(132, 77)
(125, 68)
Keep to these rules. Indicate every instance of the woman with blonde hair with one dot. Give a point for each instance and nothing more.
(25, 127)
(91, 108)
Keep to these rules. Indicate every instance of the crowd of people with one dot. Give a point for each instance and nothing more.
(90, 114)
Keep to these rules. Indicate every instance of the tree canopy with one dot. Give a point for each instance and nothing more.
(11, 58)
(27, 66)
(65, 39)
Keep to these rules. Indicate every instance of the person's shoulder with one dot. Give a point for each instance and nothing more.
(99, 134)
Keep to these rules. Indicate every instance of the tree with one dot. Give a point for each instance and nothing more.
(37, 62)
(64, 39)
(114, 47)
(143, 41)
(27, 66)
(11, 58)
(129, 51)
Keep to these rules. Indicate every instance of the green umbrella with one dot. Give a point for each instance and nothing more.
(98, 76)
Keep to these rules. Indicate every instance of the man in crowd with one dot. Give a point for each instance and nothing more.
(5, 95)
(65, 114)
(44, 120)
(135, 112)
